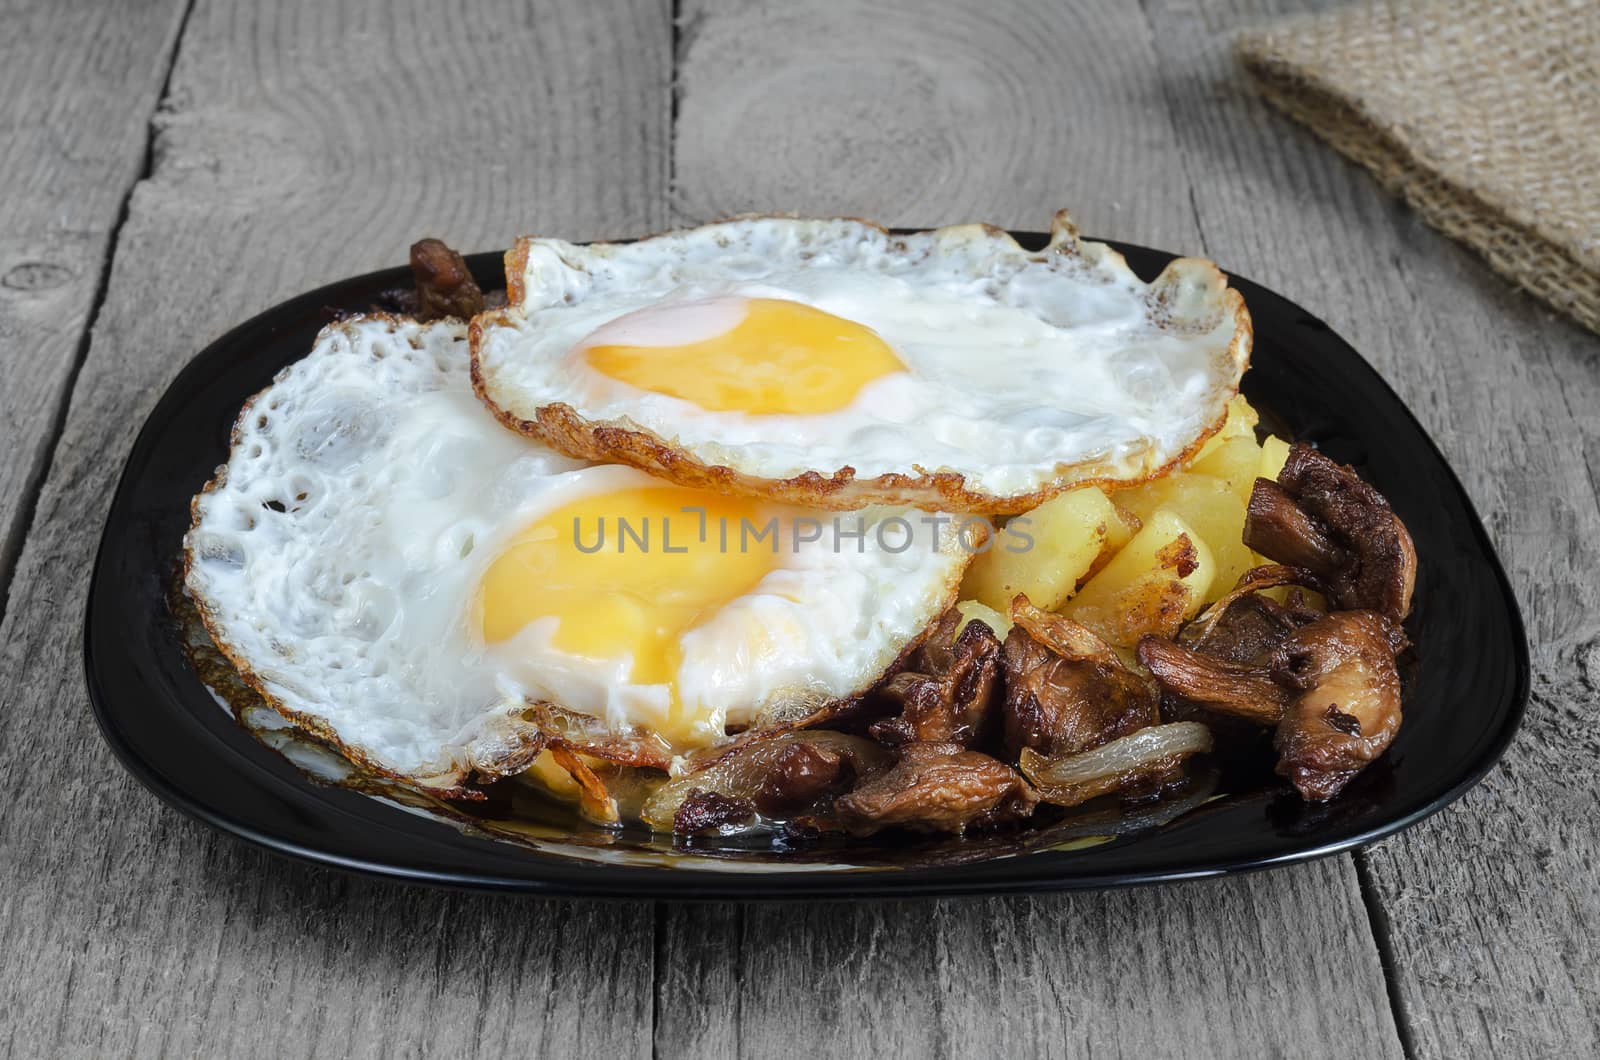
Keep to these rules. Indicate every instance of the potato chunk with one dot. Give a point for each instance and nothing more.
(1274, 452)
(1118, 533)
(1235, 462)
(1120, 530)
(1212, 506)
(1043, 553)
(1240, 423)
(1152, 586)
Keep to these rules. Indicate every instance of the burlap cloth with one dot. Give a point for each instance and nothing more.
(1485, 116)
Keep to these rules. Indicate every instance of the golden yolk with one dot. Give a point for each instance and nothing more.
(782, 358)
(627, 573)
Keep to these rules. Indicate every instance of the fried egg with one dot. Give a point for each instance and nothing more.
(399, 574)
(833, 364)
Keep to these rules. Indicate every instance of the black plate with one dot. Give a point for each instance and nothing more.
(1466, 684)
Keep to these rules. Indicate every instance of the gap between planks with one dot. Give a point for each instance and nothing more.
(1378, 922)
(28, 503)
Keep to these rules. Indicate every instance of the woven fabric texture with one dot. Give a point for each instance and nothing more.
(1484, 115)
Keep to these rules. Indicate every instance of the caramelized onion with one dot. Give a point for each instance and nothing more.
(740, 772)
(594, 801)
(1139, 756)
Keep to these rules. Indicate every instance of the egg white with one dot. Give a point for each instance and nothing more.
(337, 556)
(1027, 372)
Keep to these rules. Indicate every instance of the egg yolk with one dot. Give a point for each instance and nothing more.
(782, 358)
(627, 574)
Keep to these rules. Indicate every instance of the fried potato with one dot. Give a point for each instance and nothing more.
(1159, 580)
(1235, 462)
(1118, 533)
(1121, 528)
(1274, 451)
(1045, 552)
(1241, 423)
(1212, 506)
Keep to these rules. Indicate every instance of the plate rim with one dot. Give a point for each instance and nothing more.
(683, 882)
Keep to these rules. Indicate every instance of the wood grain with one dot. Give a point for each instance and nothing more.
(1254, 966)
(1490, 908)
(928, 114)
(79, 81)
(300, 143)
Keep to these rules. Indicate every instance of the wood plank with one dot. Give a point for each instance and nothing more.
(1490, 908)
(80, 81)
(1252, 966)
(920, 114)
(299, 143)
(925, 114)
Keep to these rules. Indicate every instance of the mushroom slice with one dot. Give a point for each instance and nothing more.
(1245, 626)
(1238, 689)
(760, 768)
(802, 774)
(937, 787)
(1320, 515)
(1331, 689)
(1066, 690)
(1276, 527)
(1348, 709)
(1223, 660)
(445, 287)
(711, 812)
(948, 692)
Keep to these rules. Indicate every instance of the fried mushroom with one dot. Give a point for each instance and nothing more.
(1245, 625)
(948, 693)
(1320, 516)
(711, 812)
(1348, 708)
(800, 776)
(1330, 688)
(1237, 689)
(766, 770)
(937, 787)
(445, 287)
(1066, 690)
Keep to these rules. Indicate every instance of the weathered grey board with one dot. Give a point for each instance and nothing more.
(930, 113)
(299, 143)
(918, 113)
(78, 81)
(1491, 908)
(1244, 967)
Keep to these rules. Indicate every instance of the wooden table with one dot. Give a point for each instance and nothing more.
(170, 167)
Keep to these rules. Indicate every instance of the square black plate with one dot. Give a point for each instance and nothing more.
(1466, 683)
